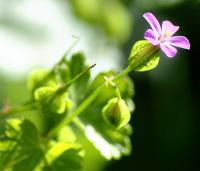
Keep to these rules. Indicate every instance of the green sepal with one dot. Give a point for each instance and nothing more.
(144, 56)
(116, 113)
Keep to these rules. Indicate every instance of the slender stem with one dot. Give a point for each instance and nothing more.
(79, 124)
(117, 92)
(122, 74)
(64, 88)
(84, 105)
(18, 109)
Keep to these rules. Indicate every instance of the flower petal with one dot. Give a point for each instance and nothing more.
(179, 41)
(151, 19)
(151, 37)
(168, 29)
(169, 50)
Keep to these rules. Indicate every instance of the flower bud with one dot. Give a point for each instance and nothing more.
(35, 78)
(116, 113)
(45, 94)
(144, 56)
(42, 93)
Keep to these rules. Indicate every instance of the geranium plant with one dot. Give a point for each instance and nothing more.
(69, 99)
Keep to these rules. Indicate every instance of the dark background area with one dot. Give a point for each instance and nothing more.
(166, 120)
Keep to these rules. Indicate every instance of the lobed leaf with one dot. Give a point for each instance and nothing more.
(64, 156)
(24, 151)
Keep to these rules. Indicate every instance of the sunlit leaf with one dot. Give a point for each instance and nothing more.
(30, 151)
(110, 143)
(66, 135)
(24, 151)
(64, 156)
(76, 65)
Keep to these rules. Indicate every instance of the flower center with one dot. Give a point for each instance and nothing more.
(167, 34)
(164, 36)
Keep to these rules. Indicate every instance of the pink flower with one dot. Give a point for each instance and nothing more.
(163, 36)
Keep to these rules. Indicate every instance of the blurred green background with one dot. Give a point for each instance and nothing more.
(35, 33)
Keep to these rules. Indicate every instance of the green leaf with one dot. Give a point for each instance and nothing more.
(24, 151)
(111, 143)
(64, 156)
(144, 56)
(9, 135)
(67, 135)
(77, 64)
(30, 151)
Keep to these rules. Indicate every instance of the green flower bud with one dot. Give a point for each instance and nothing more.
(58, 105)
(144, 56)
(45, 94)
(116, 113)
(35, 78)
